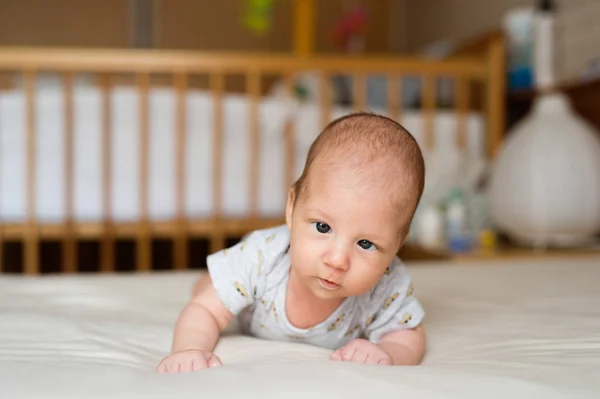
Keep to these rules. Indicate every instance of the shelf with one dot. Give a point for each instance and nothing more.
(414, 253)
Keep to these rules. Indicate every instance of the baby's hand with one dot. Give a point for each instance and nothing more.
(188, 360)
(362, 351)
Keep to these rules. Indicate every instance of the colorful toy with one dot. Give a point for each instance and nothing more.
(350, 28)
(259, 15)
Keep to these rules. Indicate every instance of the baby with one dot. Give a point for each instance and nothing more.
(330, 276)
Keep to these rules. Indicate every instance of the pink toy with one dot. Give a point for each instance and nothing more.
(350, 28)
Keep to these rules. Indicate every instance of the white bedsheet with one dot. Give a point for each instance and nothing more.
(501, 330)
(88, 180)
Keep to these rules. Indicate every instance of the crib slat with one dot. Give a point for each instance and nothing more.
(428, 107)
(180, 259)
(359, 92)
(290, 140)
(496, 89)
(462, 105)
(216, 85)
(70, 247)
(325, 96)
(31, 265)
(253, 81)
(107, 251)
(143, 255)
(1, 227)
(394, 96)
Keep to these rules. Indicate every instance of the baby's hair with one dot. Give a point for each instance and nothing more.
(365, 137)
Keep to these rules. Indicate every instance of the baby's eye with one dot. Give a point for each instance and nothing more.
(366, 244)
(322, 228)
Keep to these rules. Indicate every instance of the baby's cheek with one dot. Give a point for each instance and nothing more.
(362, 280)
(301, 257)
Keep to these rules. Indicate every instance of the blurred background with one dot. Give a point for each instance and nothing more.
(430, 28)
(393, 26)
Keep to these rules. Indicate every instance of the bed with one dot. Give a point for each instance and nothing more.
(496, 329)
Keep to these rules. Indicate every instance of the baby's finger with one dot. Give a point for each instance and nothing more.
(360, 356)
(335, 355)
(384, 361)
(348, 354)
(185, 365)
(198, 364)
(168, 366)
(162, 367)
(214, 361)
(373, 359)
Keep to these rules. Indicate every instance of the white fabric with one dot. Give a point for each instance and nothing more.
(504, 329)
(125, 138)
(251, 278)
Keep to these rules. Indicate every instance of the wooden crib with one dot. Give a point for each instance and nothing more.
(479, 66)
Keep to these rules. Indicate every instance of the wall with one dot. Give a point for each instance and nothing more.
(578, 24)
(180, 24)
(102, 23)
(217, 25)
(398, 25)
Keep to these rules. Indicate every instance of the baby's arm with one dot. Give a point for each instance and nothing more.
(397, 348)
(202, 320)
(235, 279)
(394, 333)
(197, 332)
(405, 347)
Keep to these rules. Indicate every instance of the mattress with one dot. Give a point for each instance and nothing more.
(50, 156)
(503, 329)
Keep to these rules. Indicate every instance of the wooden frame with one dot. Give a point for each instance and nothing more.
(485, 67)
(304, 26)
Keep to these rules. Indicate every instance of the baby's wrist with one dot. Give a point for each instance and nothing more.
(399, 354)
(183, 348)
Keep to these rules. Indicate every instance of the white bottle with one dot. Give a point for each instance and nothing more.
(430, 228)
(455, 217)
(456, 223)
(544, 57)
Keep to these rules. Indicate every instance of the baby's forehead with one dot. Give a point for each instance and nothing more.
(384, 180)
(359, 168)
(356, 181)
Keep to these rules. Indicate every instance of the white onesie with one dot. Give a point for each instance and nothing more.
(251, 280)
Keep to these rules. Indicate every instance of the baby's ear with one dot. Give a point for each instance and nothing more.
(289, 209)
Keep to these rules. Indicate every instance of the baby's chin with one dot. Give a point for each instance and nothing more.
(325, 291)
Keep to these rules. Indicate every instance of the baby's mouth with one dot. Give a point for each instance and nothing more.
(329, 285)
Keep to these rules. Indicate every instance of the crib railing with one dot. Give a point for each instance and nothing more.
(486, 69)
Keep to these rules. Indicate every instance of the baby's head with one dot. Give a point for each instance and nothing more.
(351, 209)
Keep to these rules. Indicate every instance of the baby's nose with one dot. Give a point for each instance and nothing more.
(337, 259)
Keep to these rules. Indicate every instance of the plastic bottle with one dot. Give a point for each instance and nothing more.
(430, 228)
(456, 223)
(518, 26)
(545, 78)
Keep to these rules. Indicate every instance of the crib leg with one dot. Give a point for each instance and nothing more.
(144, 255)
(180, 258)
(107, 253)
(70, 254)
(31, 265)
